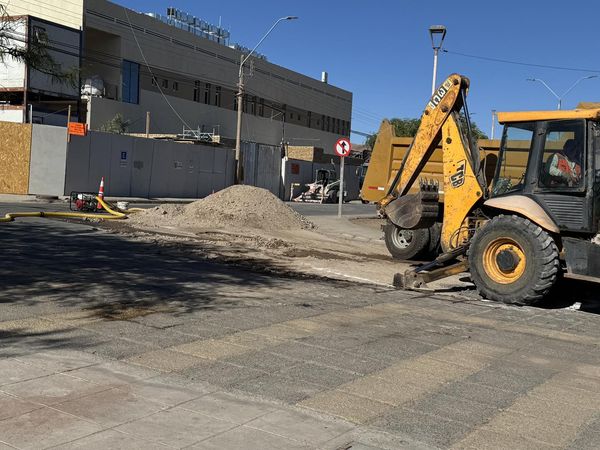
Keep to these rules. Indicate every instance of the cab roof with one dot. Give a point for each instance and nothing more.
(529, 116)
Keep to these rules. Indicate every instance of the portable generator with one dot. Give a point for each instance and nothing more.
(83, 201)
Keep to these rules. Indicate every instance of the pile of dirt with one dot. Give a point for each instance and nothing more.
(234, 208)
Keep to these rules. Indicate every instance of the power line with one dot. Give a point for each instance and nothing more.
(151, 73)
(520, 63)
(329, 110)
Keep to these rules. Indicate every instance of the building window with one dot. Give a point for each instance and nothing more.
(165, 83)
(197, 91)
(175, 85)
(261, 107)
(218, 96)
(154, 81)
(207, 93)
(322, 122)
(131, 82)
(40, 36)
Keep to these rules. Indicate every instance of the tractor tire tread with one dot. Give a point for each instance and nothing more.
(545, 252)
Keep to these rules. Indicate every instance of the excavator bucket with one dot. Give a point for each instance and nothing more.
(420, 210)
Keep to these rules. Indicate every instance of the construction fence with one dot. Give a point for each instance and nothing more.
(37, 159)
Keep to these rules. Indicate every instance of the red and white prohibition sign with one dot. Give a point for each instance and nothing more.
(343, 147)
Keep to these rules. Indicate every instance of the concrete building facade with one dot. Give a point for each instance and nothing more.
(133, 64)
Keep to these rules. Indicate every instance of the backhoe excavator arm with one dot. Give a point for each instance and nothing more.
(463, 183)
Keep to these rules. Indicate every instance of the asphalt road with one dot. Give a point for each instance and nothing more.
(354, 209)
(399, 369)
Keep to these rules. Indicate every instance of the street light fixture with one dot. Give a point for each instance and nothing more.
(437, 34)
(240, 98)
(560, 97)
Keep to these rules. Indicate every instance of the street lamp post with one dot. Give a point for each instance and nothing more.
(437, 34)
(560, 97)
(240, 100)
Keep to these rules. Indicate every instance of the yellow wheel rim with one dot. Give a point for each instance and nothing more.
(504, 260)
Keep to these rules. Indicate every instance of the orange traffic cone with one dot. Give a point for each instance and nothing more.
(101, 192)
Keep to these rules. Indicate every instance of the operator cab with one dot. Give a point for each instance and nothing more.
(557, 148)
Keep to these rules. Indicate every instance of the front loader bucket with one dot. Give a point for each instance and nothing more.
(420, 210)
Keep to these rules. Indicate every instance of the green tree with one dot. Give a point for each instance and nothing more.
(116, 125)
(408, 128)
(34, 52)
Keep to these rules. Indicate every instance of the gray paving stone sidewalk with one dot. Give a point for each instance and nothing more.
(71, 399)
(130, 345)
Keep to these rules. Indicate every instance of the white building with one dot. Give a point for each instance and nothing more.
(174, 66)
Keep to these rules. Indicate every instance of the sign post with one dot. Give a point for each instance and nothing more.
(342, 148)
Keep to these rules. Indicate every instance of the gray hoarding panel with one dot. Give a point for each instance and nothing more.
(297, 172)
(219, 162)
(78, 165)
(204, 171)
(48, 160)
(230, 167)
(160, 170)
(120, 166)
(351, 182)
(100, 153)
(219, 170)
(177, 170)
(191, 173)
(262, 166)
(269, 169)
(206, 159)
(141, 167)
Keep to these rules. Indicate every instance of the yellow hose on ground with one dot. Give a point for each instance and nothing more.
(112, 214)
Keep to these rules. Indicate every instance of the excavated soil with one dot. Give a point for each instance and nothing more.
(235, 208)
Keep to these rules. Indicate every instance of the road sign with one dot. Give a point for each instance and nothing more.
(343, 147)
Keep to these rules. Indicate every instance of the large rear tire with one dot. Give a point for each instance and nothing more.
(513, 260)
(406, 244)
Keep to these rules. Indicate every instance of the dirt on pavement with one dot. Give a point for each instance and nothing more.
(251, 227)
(234, 208)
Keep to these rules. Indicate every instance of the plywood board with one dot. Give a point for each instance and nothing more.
(15, 155)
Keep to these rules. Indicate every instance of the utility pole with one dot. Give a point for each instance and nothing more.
(68, 121)
(240, 101)
(493, 123)
(147, 124)
(238, 131)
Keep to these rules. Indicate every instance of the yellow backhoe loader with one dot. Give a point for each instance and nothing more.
(537, 221)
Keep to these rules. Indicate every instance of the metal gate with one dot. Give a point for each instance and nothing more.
(262, 166)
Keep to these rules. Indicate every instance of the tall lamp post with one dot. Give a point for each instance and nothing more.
(560, 97)
(437, 34)
(240, 100)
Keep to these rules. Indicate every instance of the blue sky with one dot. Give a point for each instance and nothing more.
(381, 51)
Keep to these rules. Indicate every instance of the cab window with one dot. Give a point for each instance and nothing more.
(562, 158)
(514, 154)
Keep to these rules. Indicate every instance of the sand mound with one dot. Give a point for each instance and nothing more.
(234, 208)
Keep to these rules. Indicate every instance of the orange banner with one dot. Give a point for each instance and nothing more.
(77, 129)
